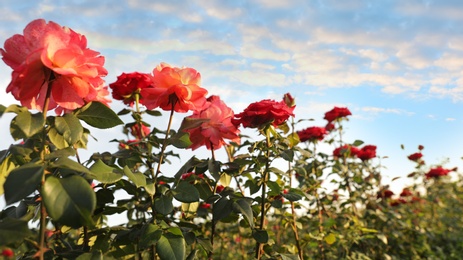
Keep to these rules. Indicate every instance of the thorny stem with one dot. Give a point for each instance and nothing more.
(43, 211)
(293, 211)
(259, 246)
(231, 159)
(346, 173)
(164, 143)
(213, 204)
(320, 212)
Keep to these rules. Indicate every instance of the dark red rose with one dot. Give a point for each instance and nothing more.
(336, 113)
(420, 147)
(289, 100)
(415, 156)
(329, 127)
(406, 193)
(438, 172)
(128, 84)
(219, 188)
(384, 194)
(367, 152)
(186, 175)
(312, 134)
(205, 205)
(346, 150)
(264, 112)
(397, 202)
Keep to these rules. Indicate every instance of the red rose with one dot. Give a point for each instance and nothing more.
(384, 194)
(367, 152)
(186, 175)
(7, 252)
(175, 86)
(420, 147)
(397, 202)
(289, 100)
(135, 131)
(329, 127)
(312, 134)
(264, 112)
(48, 55)
(336, 113)
(219, 188)
(129, 84)
(205, 205)
(346, 150)
(415, 157)
(438, 172)
(217, 127)
(406, 193)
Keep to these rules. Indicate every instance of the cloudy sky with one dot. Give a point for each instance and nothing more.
(397, 65)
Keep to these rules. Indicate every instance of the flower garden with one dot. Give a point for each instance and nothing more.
(318, 206)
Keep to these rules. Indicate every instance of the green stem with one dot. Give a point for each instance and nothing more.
(213, 204)
(164, 143)
(259, 246)
(43, 211)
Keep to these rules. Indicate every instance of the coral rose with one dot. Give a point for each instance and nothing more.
(262, 113)
(336, 113)
(177, 87)
(50, 56)
(312, 134)
(129, 84)
(217, 127)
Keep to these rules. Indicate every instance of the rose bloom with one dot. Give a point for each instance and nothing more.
(177, 87)
(336, 113)
(415, 157)
(48, 55)
(264, 112)
(135, 131)
(367, 152)
(384, 194)
(406, 193)
(438, 172)
(346, 149)
(312, 134)
(129, 84)
(218, 127)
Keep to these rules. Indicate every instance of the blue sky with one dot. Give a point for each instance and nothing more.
(397, 65)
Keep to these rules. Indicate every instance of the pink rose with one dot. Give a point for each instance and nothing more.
(218, 127)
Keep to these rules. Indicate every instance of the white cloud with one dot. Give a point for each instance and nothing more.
(263, 66)
(377, 110)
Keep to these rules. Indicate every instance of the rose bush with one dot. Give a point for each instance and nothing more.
(314, 205)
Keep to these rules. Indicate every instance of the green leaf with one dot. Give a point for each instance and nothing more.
(261, 236)
(189, 209)
(180, 140)
(22, 181)
(13, 231)
(70, 201)
(5, 168)
(330, 239)
(57, 139)
(15, 109)
(172, 246)
(104, 173)
(222, 208)
(66, 163)
(150, 234)
(98, 115)
(243, 206)
(137, 178)
(189, 123)
(66, 152)
(185, 192)
(357, 143)
(2, 110)
(69, 127)
(287, 155)
(29, 124)
(293, 195)
(94, 255)
(289, 257)
(163, 204)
